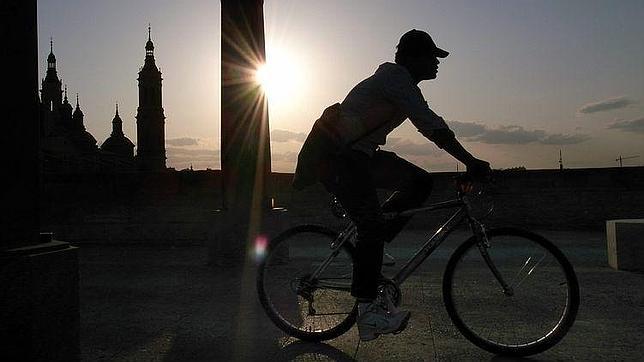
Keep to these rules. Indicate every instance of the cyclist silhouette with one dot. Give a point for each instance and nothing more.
(343, 152)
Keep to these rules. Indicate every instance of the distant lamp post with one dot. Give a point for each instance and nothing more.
(620, 159)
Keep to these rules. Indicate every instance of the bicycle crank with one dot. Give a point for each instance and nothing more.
(390, 291)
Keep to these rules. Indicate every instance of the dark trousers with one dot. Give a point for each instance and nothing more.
(353, 178)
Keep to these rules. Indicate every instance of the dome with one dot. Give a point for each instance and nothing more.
(51, 58)
(118, 144)
(149, 45)
(87, 139)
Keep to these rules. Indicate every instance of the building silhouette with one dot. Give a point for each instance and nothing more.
(66, 146)
(117, 152)
(150, 121)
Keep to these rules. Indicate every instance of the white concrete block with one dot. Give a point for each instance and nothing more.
(625, 240)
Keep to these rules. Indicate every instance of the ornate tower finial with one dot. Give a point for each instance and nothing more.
(117, 108)
(51, 59)
(77, 116)
(149, 46)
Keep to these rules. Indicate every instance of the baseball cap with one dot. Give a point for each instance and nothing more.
(418, 42)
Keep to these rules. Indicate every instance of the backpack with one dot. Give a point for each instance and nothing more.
(321, 144)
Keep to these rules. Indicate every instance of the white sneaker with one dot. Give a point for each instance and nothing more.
(374, 320)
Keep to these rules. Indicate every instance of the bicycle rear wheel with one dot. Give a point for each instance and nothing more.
(534, 311)
(311, 308)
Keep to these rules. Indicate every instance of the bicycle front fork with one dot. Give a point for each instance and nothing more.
(484, 244)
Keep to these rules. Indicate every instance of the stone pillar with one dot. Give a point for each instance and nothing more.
(39, 309)
(20, 124)
(245, 141)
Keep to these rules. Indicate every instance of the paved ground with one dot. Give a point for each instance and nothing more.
(165, 304)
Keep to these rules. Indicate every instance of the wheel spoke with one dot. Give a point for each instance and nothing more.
(302, 299)
(538, 312)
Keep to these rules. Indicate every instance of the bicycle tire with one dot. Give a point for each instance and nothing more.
(466, 324)
(267, 271)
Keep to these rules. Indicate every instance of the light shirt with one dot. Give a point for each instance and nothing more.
(384, 101)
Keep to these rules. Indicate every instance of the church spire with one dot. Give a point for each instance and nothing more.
(149, 46)
(78, 116)
(51, 59)
(117, 123)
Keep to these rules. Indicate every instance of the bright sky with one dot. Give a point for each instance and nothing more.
(524, 78)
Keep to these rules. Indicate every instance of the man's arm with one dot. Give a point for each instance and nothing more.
(445, 139)
(401, 90)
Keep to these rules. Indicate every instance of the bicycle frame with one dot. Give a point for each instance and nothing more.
(425, 250)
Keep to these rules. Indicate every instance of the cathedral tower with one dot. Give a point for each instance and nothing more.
(150, 121)
(51, 92)
(51, 95)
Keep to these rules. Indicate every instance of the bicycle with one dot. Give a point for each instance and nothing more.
(304, 282)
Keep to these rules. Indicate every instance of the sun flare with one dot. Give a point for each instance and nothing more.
(280, 77)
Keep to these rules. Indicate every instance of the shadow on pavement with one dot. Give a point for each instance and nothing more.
(312, 351)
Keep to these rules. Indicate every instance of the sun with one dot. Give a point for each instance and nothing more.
(280, 77)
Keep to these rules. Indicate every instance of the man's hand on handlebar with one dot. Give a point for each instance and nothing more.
(479, 170)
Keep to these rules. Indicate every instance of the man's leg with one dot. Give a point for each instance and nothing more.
(353, 186)
(412, 186)
(350, 181)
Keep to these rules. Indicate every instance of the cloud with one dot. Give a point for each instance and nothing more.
(184, 154)
(286, 156)
(466, 129)
(510, 135)
(606, 105)
(564, 139)
(407, 147)
(183, 141)
(635, 125)
(517, 135)
(282, 135)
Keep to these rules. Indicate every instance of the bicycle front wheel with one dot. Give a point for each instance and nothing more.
(518, 295)
(304, 288)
